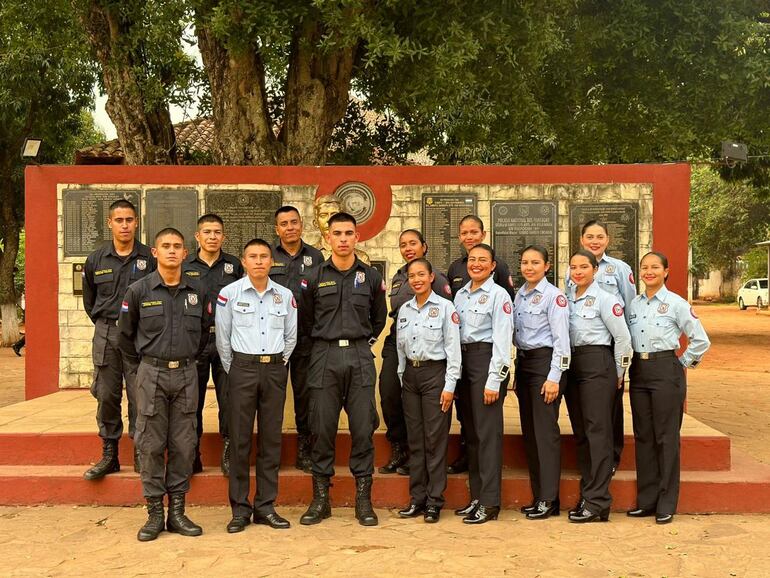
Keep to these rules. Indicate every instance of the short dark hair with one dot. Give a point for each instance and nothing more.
(122, 204)
(538, 249)
(168, 231)
(259, 242)
(487, 248)
(594, 222)
(286, 209)
(211, 218)
(342, 217)
(422, 260)
(471, 217)
(588, 255)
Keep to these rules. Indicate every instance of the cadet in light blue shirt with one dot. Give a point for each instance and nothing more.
(596, 321)
(486, 334)
(428, 345)
(657, 319)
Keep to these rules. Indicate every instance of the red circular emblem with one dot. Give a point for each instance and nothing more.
(561, 301)
(692, 312)
(456, 318)
(447, 289)
(617, 310)
(631, 279)
(293, 302)
(507, 307)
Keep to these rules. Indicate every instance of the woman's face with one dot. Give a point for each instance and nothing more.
(411, 247)
(480, 264)
(420, 279)
(533, 266)
(653, 272)
(581, 271)
(595, 239)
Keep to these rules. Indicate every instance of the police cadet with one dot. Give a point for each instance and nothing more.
(428, 367)
(486, 334)
(292, 261)
(596, 323)
(107, 273)
(471, 233)
(344, 309)
(412, 245)
(542, 355)
(256, 334)
(161, 323)
(615, 277)
(214, 269)
(658, 386)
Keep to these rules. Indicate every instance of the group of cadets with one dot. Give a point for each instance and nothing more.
(165, 321)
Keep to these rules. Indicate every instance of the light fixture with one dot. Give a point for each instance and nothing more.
(31, 149)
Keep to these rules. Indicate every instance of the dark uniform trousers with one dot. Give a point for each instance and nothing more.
(255, 388)
(658, 390)
(208, 360)
(298, 366)
(483, 425)
(618, 433)
(342, 377)
(167, 400)
(390, 393)
(590, 395)
(539, 422)
(427, 428)
(107, 385)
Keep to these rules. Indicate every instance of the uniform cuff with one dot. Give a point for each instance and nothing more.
(554, 375)
(450, 386)
(492, 383)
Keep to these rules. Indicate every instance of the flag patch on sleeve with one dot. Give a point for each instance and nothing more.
(222, 300)
(124, 307)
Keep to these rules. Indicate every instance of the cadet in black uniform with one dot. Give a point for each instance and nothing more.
(472, 233)
(413, 246)
(108, 272)
(293, 260)
(214, 269)
(161, 323)
(344, 310)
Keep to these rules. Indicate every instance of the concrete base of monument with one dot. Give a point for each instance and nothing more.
(47, 443)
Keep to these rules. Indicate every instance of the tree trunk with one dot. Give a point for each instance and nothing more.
(9, 233)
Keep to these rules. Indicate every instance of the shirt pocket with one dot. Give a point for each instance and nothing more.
(478, 313)
(151, 319)
(402, 329)
(327, 296)
(664, 329)
(609, 284)
(432, 332)
(244, 314)
(588, 313)
(104, 282)
(533, 317)
(192, 317)
(277, 317)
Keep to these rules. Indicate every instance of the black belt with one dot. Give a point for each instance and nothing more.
(580, 349)
(644, 356)
(113, 322)
(425, 362)
(343, 342)
(255, 358)
(478, 346)
(537, 352)
(168, 363)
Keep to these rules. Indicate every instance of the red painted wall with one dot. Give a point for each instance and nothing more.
(671, 189)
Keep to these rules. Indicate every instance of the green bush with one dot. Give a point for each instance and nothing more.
(755, 261)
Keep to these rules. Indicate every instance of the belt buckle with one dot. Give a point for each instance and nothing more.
(173, 364)
(344, 342)
(644, 355)
(212, 329)
(415, 362)
(264, 359)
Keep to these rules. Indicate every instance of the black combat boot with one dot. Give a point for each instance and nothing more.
(364, 511)
(303, 453)
(177, 522)
(155, 521)
(319, 508)
(399, 456)
(225, 465)
(137, 460)
(197, 467)
(108, 464)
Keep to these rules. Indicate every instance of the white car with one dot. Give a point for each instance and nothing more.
(753, 292)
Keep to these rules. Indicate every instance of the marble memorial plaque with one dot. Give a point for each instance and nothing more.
(441, 216)
(247, 214)
(84, 218)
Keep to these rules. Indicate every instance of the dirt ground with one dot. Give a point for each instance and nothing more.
(728, 392)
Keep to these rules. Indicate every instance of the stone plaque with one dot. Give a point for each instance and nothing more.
(247, 214)
(622, 220)
(441, 215)
(84, 219)
(172, 208)
(516, 224)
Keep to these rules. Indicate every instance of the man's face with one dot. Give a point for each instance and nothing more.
(342, 238)
(323, 213)
(257, 261)
(210, 236)
(169, 251)
(288, 227)
(122, 222)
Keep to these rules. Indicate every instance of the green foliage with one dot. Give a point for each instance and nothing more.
(755, 261)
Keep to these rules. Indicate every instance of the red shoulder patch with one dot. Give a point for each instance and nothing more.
(617, 310)
(293, 302)
(447, 290)
(507, 307)
(692, 312)
(456, 318)
(561, 301)
(631, 279)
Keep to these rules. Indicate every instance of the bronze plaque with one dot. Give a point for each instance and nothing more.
(441, 216)
(172, 208)
(622, 220)
(77, 278)
(516, 224)
(247, 215)
(84, 218)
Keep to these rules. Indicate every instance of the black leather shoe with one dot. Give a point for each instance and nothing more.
(458, 466)
(403, 470)
(641, 513)
(156, 522)
(273, 520)
(529, 507)
(664, 518)
(411, 511)
(482, 515)
(16, 349)
(177, 522)
(579, 506)
(469, 509)
(238, 524)
(432, 514)
(544, 510)
(320, 508)
(585, 516)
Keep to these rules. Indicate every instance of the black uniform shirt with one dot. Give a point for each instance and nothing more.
(343, 304)
(160, 321)
(458, 276)
(107, 275)
(289, 270)
(211, 279)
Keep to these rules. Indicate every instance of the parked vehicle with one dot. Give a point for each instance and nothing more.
(753, 293)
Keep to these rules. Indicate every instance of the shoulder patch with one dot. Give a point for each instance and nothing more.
(617, 310)
(447, 290)
(510, 280)
(663, 308)
(293, 302)
(456, 318)
(631, 279)
(303, 283)
(141, 264)
(382, 285)
(124, 307)
(229, 268)
(433, 312)
(507, 307)
(222, 300)
(561, 301)
(692, 312)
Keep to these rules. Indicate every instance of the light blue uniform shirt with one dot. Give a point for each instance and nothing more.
(615, 277)
(485, 316)
(596, 318)
(430, 332)
(542, 320)
(656, 325)
(255, 324)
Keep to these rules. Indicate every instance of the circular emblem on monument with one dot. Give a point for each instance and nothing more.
(502, 211)
(243, 200)
(524, 211)
(357, 199)
(545, 210)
